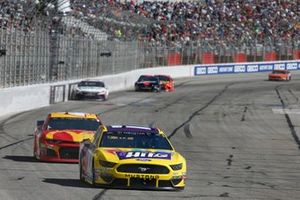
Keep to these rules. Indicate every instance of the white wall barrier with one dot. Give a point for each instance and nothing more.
(19, 99)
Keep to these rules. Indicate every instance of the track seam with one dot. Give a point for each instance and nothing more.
(288, 119)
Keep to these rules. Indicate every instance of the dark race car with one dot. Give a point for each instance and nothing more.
(147, 83)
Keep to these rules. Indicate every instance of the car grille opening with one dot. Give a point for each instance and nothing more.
(176, 181)
(138, 182)
(164, 183)
(69, 152)
(51, 153)
(143, 169)
(120, 182)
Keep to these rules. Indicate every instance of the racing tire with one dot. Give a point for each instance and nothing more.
(93, 174)
(105, 98)
(81, 178)
(156, 89)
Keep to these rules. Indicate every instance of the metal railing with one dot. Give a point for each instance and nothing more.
(41, 57)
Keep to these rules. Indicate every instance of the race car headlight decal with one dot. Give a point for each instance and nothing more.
(176, 167)
(107, 164)
(53, 141)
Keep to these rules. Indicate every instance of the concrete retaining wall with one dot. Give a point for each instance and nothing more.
(18, 99)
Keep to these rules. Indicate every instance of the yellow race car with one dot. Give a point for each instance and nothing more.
(131, 157)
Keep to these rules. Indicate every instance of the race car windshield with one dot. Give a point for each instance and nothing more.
(73, 123)
(91, 84)
(135, 140)
(148, 78)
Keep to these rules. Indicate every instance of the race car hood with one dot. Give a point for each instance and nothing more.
(69, 135)
(92, 89)
(151, 156)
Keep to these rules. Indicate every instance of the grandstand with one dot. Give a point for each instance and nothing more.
(64, 39)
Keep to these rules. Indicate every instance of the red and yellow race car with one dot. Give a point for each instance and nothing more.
(166, 82)
(57, 138)
(280, 74)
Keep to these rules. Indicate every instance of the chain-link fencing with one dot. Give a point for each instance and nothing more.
(39, 57)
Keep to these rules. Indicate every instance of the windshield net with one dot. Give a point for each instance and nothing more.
(135, 140)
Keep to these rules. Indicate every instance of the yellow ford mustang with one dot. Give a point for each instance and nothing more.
(131, 157)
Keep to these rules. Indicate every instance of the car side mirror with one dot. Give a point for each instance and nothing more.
(87, 141)
(39, 124)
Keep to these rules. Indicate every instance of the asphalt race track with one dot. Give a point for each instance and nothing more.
(239, 134)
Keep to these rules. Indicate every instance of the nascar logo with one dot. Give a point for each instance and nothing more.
(143, 154)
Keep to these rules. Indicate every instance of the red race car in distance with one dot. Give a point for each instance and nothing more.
(57, 138)
(280, 74)
(166, 83)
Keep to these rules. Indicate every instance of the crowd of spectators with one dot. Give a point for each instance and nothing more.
(28, 15)
(14, 14)
(169, 22)
(222, 21)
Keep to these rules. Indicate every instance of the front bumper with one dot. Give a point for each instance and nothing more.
(277, 78)
(91, 95)
(66, 153)
(110, 177)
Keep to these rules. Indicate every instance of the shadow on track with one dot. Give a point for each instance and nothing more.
(67, 182)
(21, 158)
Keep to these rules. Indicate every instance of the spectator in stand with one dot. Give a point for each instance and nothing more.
(167, 22)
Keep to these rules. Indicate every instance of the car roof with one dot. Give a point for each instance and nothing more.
(163, 75)
(124, 128)
(92, 80)
(73, 115)
(280, 70)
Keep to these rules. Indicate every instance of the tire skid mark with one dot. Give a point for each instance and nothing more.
(200, 110)
(100, 195)
(3, 133)
(244, 113)
(138, 101)
(288, 119)
(18, 142)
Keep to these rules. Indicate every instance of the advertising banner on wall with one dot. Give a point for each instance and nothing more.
(245, 67)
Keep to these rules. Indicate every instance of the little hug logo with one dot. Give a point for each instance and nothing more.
(143, 154)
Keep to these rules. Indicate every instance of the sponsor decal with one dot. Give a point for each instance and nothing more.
(291, 66)
(142, 176)
(239, 68)
(212, 70)
(200, 70)
(143, 155)
(226, 69)
(252, 68)
(279, 66)
(266, 67)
